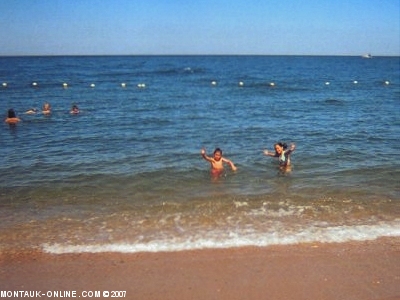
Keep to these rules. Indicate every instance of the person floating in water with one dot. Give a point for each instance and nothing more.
(217, 162)
(46, 110)
(283, 153)
(31, 111)
(12, 117)
(74, 109)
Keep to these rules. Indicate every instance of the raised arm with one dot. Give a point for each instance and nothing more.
(291, 148)
(204, 155)
(269, 153)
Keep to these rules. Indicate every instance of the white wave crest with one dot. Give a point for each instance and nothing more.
(336, 234)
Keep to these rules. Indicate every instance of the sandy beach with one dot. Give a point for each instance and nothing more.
(356, 270)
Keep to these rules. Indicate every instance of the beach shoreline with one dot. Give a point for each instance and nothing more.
(351, 270)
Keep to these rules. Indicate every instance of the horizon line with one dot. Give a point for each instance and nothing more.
(88, 55)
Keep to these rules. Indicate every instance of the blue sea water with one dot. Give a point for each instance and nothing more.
(126, 173)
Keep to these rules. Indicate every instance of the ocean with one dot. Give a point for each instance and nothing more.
(126, 174)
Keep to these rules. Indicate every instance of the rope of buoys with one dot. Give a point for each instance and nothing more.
(213, 83)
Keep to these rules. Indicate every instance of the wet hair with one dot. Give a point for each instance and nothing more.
(281, 144)
(217, 150)
(11, 113)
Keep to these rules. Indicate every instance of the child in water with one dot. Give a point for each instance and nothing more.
(46, 110)
(74, 109)
(217, 162)
(283, 153)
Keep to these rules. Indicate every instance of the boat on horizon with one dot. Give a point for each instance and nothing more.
(368, 55)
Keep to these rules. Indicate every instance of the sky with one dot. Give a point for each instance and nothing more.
(197, 27)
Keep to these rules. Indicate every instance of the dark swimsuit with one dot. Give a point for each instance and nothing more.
(284, 158)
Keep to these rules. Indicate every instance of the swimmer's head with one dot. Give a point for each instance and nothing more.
(217, 154)
(11, 113)
(280, 147)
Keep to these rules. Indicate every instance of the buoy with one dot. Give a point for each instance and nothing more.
(387, 82)
(65, 85)
(241, 83)
(123, 84)
(327, 83)
(141, 85)
(34, 84)
(271, 84)
(355, 81)
(214, 83)
(92, 85)
(4, 84)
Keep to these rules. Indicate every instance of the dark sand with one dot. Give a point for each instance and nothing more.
(356, 270)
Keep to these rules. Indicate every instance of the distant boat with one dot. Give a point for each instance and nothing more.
(366, 56)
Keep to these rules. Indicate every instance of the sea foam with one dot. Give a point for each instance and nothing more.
(315, 234)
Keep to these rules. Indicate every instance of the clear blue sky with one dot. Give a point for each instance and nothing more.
(94, 27)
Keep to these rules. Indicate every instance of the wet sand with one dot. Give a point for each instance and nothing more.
(356, 270)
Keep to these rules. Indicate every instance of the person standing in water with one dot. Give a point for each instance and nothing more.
(283, 153)
(217, 161)
(12, 118)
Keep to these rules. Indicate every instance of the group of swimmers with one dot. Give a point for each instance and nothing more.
(282, 152)
(46, 110)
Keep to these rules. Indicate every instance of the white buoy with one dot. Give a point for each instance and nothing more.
(387, 82)
(327, 83)
(141, 85)
(214, 83)
(4, 84)
(123, 84)
(34, 84)
(355, 81)
(65, 85)
(92, 85)
(272, 84)
(241, 83)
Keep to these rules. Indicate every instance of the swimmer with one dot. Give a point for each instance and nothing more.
(46, 110)
(283, 153)
(31, 111)
(12, 118)
(217, 161)
(74, 109)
